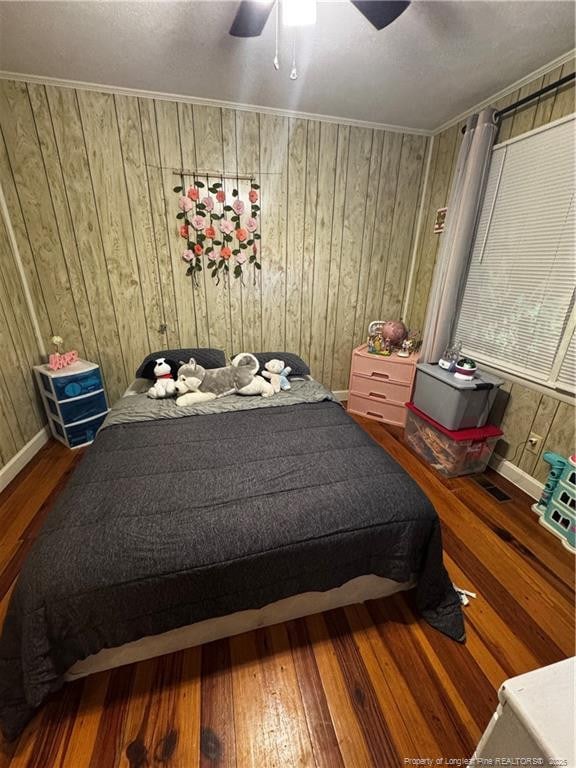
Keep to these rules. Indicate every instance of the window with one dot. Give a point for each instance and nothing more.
(517, 312)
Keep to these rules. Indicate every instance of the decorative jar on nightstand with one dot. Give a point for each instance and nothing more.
(74, 400)
(381, 386)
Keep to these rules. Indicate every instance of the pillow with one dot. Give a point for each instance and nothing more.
(206, 357)
(299, 367)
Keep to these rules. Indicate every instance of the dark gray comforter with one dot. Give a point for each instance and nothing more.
(172, 521)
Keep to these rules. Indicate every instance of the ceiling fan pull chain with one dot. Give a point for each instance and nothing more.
(276, 59)
(294, 71)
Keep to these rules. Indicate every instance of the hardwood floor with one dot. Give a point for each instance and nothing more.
(367, 685)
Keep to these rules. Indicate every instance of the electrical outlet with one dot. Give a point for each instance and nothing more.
(534, 443)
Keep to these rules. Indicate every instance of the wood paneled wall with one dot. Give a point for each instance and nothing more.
(21, 415)
(88, 182)
(525, 410)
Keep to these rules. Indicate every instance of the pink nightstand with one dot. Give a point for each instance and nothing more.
(379, 386)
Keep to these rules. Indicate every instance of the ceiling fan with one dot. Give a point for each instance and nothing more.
(252, 15)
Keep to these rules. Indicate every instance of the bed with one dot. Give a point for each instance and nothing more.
(181, 525)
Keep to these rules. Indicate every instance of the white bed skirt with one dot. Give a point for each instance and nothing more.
(356, 590)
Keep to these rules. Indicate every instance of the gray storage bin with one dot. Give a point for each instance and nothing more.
(452, 402)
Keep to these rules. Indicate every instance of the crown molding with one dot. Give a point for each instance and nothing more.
(143, 94)
(540, 72)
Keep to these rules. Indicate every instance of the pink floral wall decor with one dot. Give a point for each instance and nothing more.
(220, 234)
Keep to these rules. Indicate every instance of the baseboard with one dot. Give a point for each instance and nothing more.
(340, 394)
(24, 455)
(522, 479)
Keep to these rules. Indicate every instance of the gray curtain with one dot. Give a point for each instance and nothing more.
(464, 204)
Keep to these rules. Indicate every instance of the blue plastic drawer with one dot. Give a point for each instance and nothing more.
(85, 408)
(84, 432)
(77, 384)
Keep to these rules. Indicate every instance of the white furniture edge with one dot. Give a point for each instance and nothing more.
(522, 479)
(368, 587)
(24, 455)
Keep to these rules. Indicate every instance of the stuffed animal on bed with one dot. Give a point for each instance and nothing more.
(164, 371)
(278, 374)
(195, 384)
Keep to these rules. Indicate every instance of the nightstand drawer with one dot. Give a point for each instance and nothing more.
(390, 413)
(83, 408)
(78, 434)
(380, 390)
(382, 369)
(76, 384)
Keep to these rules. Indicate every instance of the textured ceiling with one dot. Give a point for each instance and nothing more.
(435, 61)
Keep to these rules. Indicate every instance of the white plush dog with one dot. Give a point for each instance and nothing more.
(164, 386)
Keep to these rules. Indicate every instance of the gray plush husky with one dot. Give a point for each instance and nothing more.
(196, 384)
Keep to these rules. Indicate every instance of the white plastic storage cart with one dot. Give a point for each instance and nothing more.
(74, 400)
(454, 403)
(535, 720)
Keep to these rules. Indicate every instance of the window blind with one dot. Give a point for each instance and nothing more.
(522, 274)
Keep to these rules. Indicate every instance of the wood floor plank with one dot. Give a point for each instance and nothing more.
(162, 716)
(269, 719)
(409, 727)
(543, 553)
(21, 506)
(324, 742)
(505, 644)
(109, 745)
(58, 717)
(85, 727)
(434, 701)
(217, 736)
(355, 752)
(456, 669)
(361, 691)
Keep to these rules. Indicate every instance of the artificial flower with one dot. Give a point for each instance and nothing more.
(210, 232)
(221, 196)
(240, 258)
(253, 196)
(184, 230)
(198, 222)
(252, 224)
(198, 249)
(208, 203)
(241, 235)
(188, 255)
(238, 207)
(226, 226)
(193, 193)
(225, 253)
(185, 204)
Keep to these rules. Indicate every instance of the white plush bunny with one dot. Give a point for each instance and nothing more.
(278, 374)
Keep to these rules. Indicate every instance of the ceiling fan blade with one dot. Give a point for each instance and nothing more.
(251, 18)
(380, 13)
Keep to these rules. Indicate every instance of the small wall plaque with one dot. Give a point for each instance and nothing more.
(440, 220)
